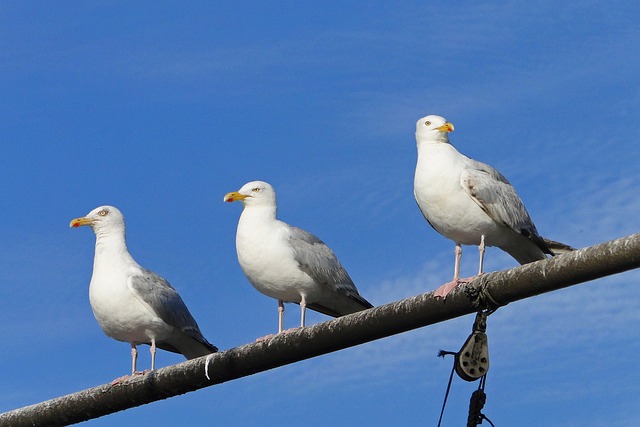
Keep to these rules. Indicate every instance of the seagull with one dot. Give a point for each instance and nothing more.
(288, 263)
(133, 304)
(471, 203)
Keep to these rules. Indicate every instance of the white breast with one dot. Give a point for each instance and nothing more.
(268, 260)
(120, 314)
(441, 198)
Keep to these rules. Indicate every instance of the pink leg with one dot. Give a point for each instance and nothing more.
(280, 316)
(456, 265)
(444, 290)
(481, 250)
(134, 358)
(153, 354)
(303, 310)
(280, 323)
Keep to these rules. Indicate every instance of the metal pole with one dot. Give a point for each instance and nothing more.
(498, 288)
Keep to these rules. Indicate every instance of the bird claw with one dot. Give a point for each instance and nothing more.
(265, 338)
(126, 377)
(445, 289)
(286, 331)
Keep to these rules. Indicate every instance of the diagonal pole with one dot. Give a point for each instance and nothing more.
(500, 288)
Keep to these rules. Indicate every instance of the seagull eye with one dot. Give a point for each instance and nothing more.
(256, 190)
(103, 212)
(428, 123)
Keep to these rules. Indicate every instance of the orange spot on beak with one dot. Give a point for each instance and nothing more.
(447, 127)
(77, 222)
(233, 196)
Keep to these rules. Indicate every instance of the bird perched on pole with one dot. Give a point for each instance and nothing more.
(288, 263)
(471, 203)
(133, 304)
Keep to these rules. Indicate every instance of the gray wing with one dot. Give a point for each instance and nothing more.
(497, 197)
(165, 302)
(318, 261)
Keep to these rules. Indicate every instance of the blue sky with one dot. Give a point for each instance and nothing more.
(160, 108)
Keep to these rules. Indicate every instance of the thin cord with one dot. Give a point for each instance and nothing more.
(446, 395)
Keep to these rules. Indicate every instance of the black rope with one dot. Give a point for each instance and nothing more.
(480, 296)
(443, 353)
(478, 399)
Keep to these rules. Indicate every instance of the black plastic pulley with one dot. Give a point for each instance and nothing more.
(472, 361)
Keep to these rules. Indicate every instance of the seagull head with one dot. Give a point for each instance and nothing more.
(101, 218)
(433, 128)
(253, 193)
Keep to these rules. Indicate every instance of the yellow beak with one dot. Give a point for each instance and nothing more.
(77, 222)
(234, 196)
(447, 127)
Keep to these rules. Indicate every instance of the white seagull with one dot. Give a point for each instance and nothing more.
(132, 304)
(471, 203)
(287, 263)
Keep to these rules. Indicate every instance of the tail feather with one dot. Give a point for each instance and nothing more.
(341, 306)
(557, 247)
(532, 247)
(189, 343)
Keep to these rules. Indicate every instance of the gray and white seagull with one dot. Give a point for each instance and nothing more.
(133, 304)
(288, 263)
(471, 203)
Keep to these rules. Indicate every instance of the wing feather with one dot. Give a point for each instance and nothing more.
(318, 261)
(155, 292)
(496, 196)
